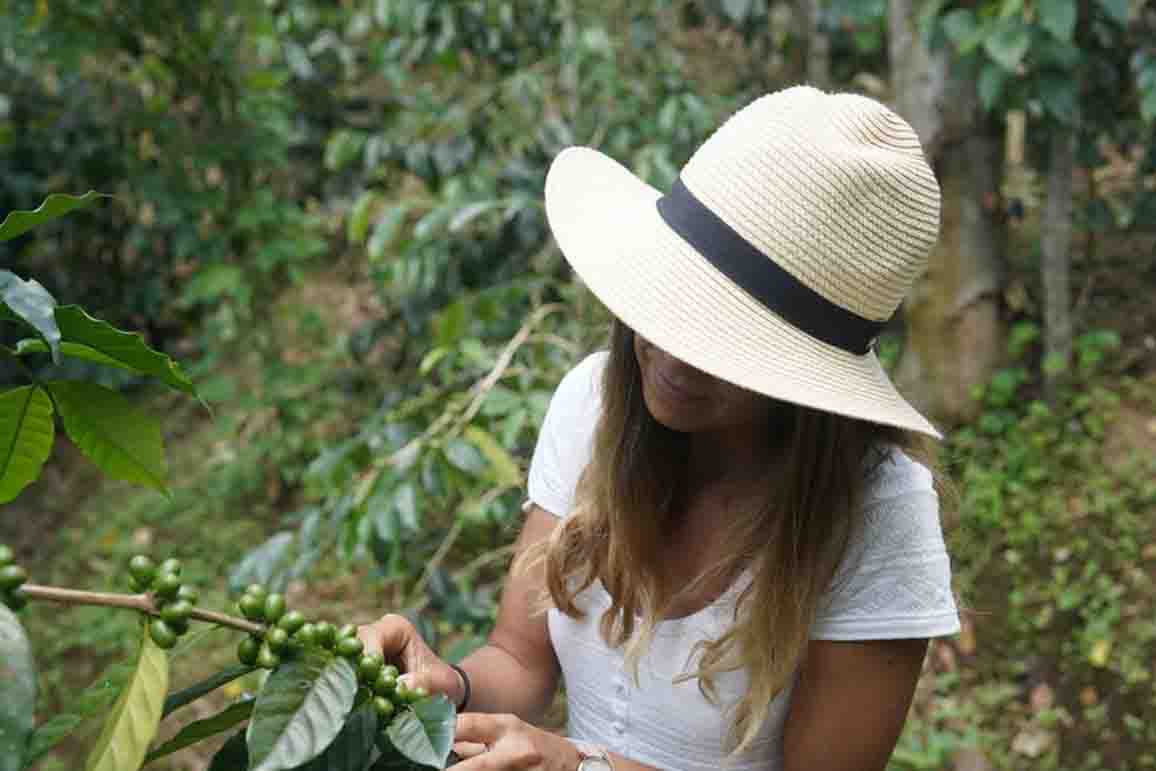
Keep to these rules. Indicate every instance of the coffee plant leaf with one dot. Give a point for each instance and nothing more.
(56, 205)
(26, 433)
(203, 729)
(122, 441)
(133, 722)
(352, 750)
(209, 684)
(425, 733)
(233, 755)
(301, 709)
(17, 691)
(29, 303)
(92, 701)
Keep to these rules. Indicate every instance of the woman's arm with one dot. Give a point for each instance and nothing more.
(517, 671)
(850, 703)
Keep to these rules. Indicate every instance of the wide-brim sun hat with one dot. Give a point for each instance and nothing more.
(789, 240)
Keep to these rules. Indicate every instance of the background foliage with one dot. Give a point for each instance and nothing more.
(331, 212)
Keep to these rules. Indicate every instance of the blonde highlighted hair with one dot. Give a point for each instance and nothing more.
(634, 489)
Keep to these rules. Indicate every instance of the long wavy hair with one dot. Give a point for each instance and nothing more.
(634, 489)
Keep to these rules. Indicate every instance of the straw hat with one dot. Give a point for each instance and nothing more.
(788, 241)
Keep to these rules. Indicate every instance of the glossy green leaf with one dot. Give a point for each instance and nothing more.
(17, 691)
(1009, 43)
(133, 721)
(123, 441)
(425, 733)
(353, 747)
(55, 205)
(26, 432)
(200, 730)
(30, 303)
(76, 350)
(233, 755)
(208, 685)
(300, 710)
(128, 348)
(1058, 17)
(92, 701)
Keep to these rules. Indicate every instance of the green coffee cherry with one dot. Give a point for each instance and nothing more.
(350, 647)
(347, 630)
(419, 693)
(141, 571)
(402, 692)
(326, 634)
(385, 684)
(171, 565)
(384, 708)
(162, 634)
(247, 651)
(6, 554)
(12, 576)
(15, 599)
(257, 590)
(274, 607)
(369, 667)
(306, 635)
(391, 671)
(188, 594)
(166, 587)
(291, 621)
(277, 639)
(266, 658)
(177, 612)
(252, 607)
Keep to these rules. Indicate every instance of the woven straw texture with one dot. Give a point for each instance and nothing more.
(833, 187)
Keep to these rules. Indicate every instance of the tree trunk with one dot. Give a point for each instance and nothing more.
(955, 334)
(1055, 261)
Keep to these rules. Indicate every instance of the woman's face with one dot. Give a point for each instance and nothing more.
(686, 399)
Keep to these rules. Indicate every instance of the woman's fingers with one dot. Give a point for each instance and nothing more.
(390, 635)
(467, 750)
(482, 728)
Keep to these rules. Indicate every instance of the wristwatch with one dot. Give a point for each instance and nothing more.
(593, 758)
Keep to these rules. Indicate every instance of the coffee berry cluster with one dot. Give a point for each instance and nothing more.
(287, 631)
(12, 578)
(173, 599)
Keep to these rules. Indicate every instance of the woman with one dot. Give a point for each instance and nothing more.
(742, 563)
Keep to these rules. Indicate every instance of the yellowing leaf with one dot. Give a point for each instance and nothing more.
(506, 471)
(133, 722)
(1098, 656)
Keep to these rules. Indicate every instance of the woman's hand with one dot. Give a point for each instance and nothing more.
(398, 640)
(506, 743)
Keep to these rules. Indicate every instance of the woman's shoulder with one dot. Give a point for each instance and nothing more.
(580, 390)
(892, 473)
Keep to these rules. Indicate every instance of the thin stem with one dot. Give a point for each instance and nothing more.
(142, 603)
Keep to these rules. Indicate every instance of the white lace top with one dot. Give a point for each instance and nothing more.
(894, 583)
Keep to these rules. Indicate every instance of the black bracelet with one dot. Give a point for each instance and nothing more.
(465, 686)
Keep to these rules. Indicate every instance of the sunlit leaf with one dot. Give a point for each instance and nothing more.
(200, 730)
(133, 722)
(506, 471)
(55, 205)
(123, 441)
(128, 348)
(30, 303)
(425, 733)
(26, 432)
(18, 685)
(300, 710)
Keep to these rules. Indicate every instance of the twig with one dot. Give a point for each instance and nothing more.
(436, 560)
(142, 603)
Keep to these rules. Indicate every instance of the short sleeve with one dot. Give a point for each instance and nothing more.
(895, 580)
(563, 448)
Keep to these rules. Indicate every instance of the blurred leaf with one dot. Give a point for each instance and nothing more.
(1008, 44)
(177, 700)
(1058, 17)
(385, 231)
(31, 303)
(300, 710)
(1058, 94)
(468, 214)
(358, 225)
(425, 733)
(991, 82)
(26, 432)
(122, 441)
(959, 25)
(265, 564)
(202, 729)
(137, 713)
(18, 684)
(1117, 10)
(55, 205)
(506, 471)
(128, 348)
(465, 457)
